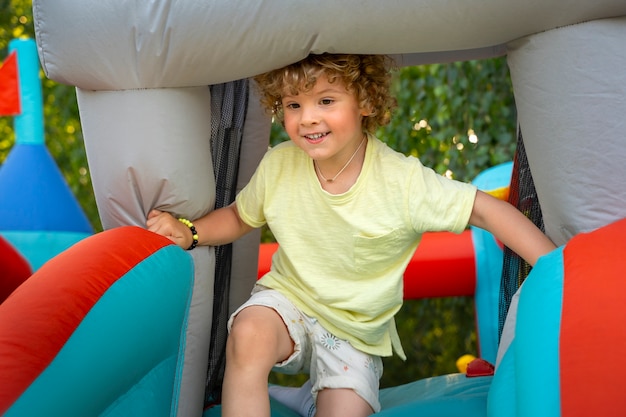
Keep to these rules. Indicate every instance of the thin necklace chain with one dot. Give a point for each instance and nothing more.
(342, 169)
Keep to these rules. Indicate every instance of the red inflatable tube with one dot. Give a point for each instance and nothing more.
(443, 266)
(14, 269)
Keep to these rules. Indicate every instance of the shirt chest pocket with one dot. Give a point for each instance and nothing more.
(374, 254)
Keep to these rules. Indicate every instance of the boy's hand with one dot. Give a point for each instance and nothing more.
(167, 225)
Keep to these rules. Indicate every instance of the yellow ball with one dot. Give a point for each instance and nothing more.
(463, 361)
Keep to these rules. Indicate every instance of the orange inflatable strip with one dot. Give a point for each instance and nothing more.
(593, 340)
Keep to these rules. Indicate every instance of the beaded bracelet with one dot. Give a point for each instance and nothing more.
(194, 233)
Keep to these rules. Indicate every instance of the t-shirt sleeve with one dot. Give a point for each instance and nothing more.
(250, 200)
(439, 203)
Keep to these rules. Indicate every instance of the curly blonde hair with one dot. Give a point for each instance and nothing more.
(367, 76)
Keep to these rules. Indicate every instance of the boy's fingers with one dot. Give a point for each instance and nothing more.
(154, 213)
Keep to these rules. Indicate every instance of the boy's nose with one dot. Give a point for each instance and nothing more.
(309, 116)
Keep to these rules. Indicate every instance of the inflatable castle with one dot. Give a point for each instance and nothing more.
(158, 86)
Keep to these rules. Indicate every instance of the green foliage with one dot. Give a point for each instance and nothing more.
(440, 107)
(434, 333)
(458, 118)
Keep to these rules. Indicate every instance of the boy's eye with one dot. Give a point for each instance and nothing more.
(292, 106)
(326, 101)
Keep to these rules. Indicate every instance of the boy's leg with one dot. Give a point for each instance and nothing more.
(341, 402)
(258, 340)
(345, 380)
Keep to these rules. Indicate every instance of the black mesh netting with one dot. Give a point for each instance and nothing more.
(229, 103)
(523, 196)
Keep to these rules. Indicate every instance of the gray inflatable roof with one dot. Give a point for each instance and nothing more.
(111, 44)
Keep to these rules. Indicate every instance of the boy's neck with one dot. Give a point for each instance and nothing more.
(347, 175)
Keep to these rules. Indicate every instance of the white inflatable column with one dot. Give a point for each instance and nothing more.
(150, 148)
(570, 92)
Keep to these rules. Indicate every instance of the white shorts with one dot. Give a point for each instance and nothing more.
(331, 362)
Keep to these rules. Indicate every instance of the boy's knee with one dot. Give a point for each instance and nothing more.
(242, 334)
(249, 330)
(257, 333)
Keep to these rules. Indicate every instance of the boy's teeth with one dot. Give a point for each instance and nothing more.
(316, 136)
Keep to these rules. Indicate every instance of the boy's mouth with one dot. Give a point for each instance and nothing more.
(316, 136)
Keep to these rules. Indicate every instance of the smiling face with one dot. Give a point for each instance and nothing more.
(325, 122)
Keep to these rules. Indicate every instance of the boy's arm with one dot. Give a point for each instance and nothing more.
(219, 227)
(510, 226)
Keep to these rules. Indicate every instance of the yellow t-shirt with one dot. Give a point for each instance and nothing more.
(341, 258)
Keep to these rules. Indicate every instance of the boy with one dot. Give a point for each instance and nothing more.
(348, 213)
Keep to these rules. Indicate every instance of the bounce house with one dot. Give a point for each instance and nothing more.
(170, 122)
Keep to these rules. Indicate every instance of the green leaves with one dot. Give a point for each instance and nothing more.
(440, 106)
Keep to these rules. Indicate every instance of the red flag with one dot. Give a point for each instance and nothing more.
(9, 87)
